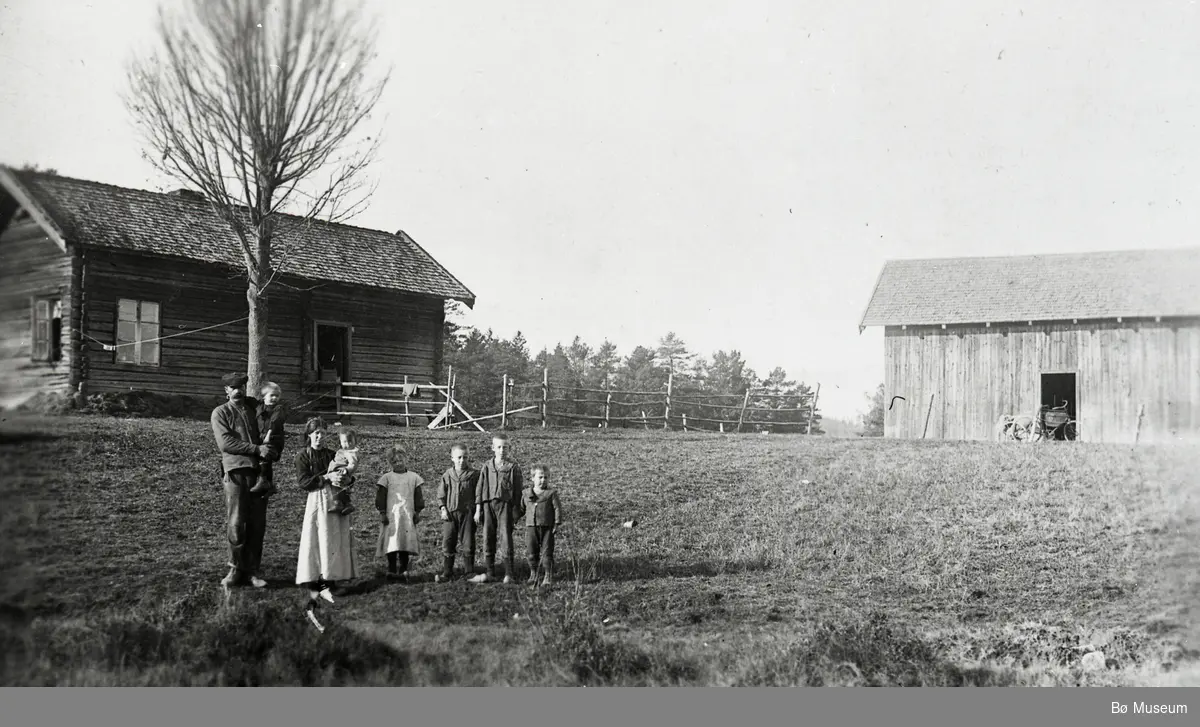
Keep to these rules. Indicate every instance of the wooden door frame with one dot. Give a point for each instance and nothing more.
(347, 354)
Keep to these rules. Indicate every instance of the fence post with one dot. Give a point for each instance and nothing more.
(407, 414)
(545, 394)
(812, 409)
(504, 403)
(742, 413)
(667, 411)
(685, 421)
(446, 392)
(607, 400)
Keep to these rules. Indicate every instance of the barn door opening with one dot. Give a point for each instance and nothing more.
(332, 352)
(1058, 389)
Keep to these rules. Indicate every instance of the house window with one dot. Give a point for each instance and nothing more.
(137, 332)
(47, 330)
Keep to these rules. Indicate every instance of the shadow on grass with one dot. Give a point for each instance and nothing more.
(203, 644)
(17, 438)
(631, 568)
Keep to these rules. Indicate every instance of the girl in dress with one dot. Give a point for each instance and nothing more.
(399, 501)
(326, 538)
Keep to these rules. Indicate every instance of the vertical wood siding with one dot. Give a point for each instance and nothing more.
(975, 374)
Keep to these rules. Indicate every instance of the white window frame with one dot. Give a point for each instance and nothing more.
(44, 346)
(132, 332)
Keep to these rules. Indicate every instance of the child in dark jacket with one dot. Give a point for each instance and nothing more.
(543, 515)
(456, 501)
(498, 508)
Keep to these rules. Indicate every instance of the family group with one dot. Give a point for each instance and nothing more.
(250, 435)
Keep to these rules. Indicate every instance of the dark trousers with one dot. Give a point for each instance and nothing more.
(458, 534)
(540, 543)
(498, 525)
(246, 521)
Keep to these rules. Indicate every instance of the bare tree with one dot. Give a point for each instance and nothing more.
(256, 104)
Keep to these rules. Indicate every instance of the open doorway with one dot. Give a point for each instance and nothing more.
(1059, 390)
(332, 352)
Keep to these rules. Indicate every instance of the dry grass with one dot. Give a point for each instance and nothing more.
(775, 560)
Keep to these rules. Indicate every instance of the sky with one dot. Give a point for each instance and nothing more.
(735, 172)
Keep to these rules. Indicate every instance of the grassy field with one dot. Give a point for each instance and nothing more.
(778, 560)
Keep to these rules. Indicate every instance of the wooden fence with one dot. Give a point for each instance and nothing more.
(558, 404)
(550, 404)
(399, 401)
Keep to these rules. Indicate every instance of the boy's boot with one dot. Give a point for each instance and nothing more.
(548, 569)
(533, 571)
(447, 569)
(261, 486)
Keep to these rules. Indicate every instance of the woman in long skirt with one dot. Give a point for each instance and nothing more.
(326, 538)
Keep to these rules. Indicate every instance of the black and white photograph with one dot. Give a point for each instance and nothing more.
(358, 343)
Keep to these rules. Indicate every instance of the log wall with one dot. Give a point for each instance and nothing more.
(392, 334)
(32, 265)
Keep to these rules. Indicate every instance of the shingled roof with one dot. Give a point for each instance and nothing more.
(1094, 285)
(102, 215)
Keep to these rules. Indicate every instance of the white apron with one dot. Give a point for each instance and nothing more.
(400, 533)
(326, 542)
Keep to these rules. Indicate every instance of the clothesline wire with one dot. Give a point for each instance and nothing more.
(115, 346)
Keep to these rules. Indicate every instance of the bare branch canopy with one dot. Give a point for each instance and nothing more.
(258, 104)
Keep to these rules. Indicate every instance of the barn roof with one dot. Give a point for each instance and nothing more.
(1092, 285)
(102, 215)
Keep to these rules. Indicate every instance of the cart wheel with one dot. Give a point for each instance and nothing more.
(1070, 431)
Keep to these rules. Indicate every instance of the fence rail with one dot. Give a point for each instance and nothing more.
(569, 403)
(549, 404)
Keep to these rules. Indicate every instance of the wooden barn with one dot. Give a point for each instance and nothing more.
(107, 289)
(1115, 335)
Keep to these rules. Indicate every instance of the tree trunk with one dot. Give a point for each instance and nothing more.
(258, 269)
(256, 362)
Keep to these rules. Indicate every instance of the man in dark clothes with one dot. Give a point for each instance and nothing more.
(235, 427)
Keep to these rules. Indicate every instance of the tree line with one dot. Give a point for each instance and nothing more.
(480, 359)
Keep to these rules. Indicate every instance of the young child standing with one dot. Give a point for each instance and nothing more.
(543, 515)
(498, 506)
(346, 460)
(399, 501)
(456, 500)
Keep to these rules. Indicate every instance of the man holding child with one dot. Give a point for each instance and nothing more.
(245, 455)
